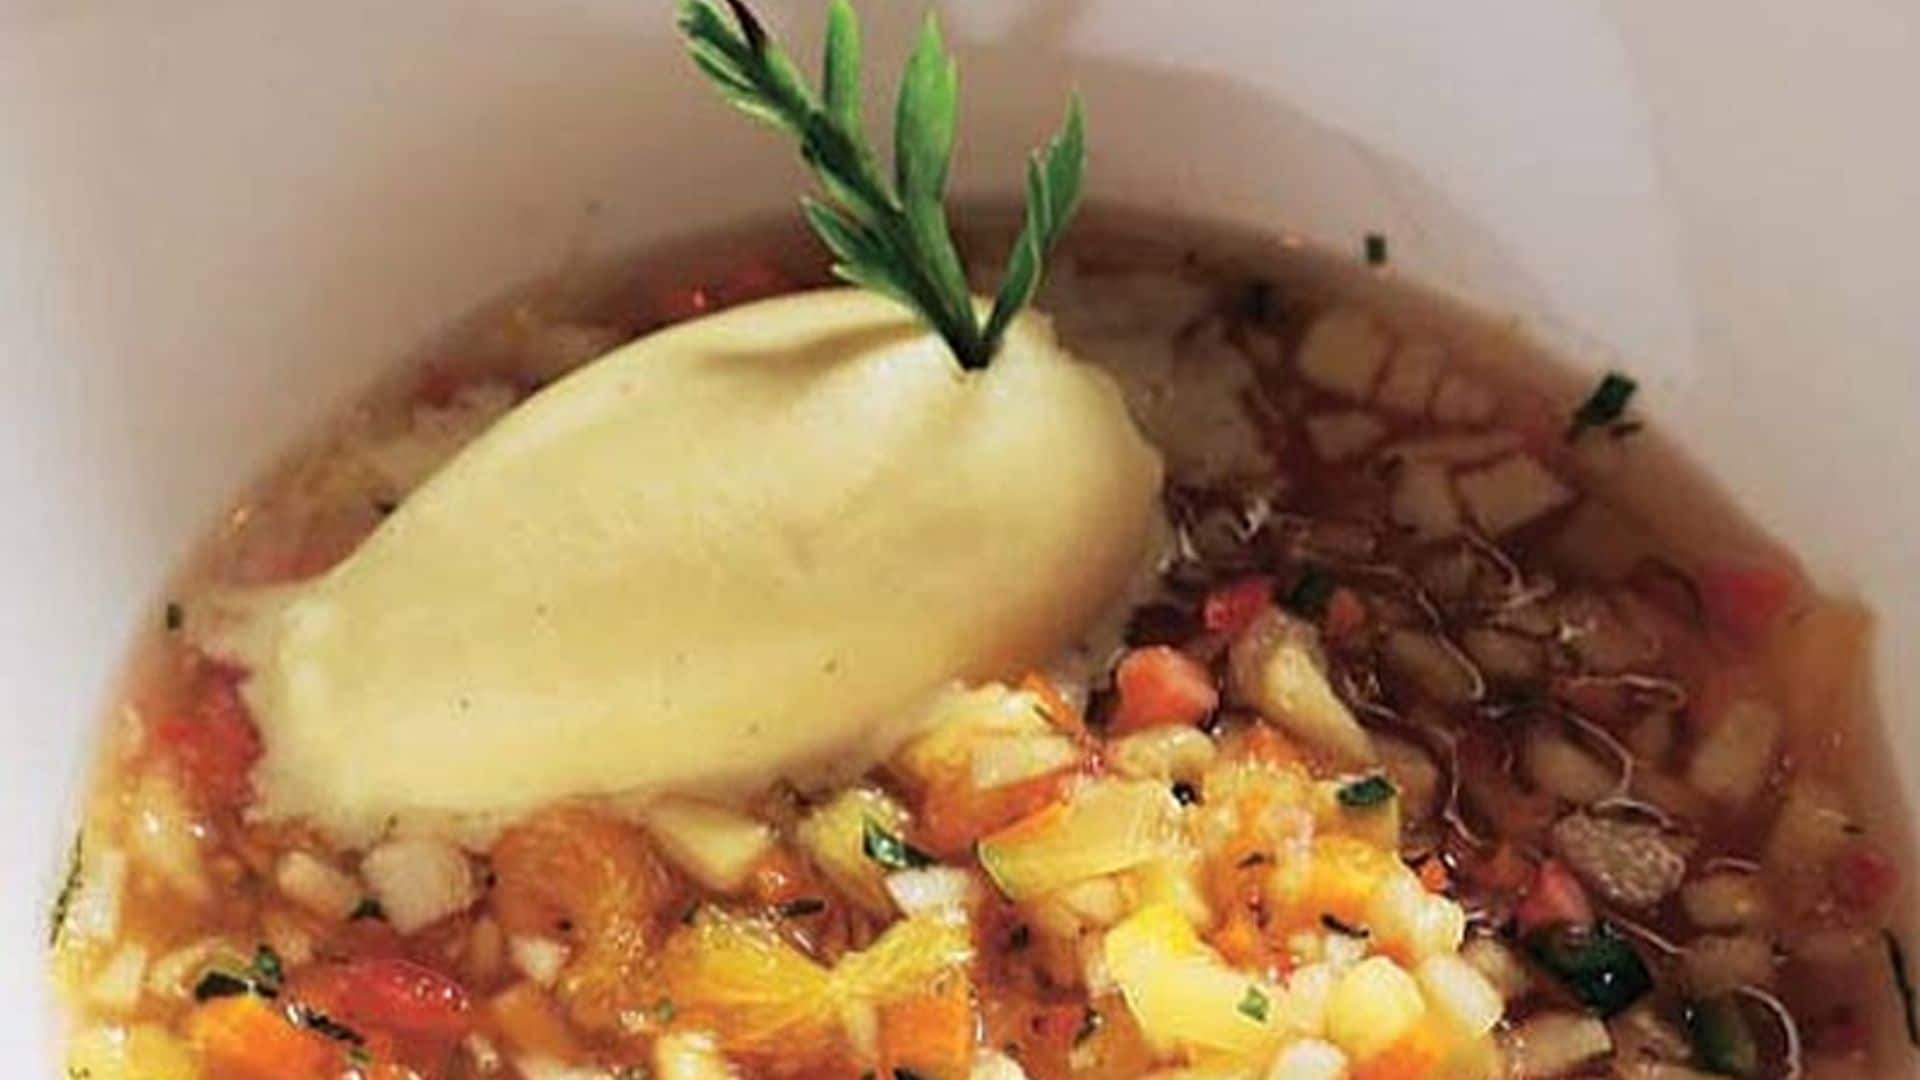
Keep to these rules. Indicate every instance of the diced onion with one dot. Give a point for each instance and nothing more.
(1422, 500)
(1459, 992)
(1008, 759)
(1461, 400)
(1168, 752)
(1309, 1059)
(539, 959)
(1342, 353)
(1563, 768)
(1408, 384)
(1716, 964)
(318, 886)
(1737, 754)
(1503, 970)
(1372, 1006)
(418, 881)
(934, 888)
(1555, 1044)
(1510, 493)
(715, 845)
(1341, 436)
(164, 839)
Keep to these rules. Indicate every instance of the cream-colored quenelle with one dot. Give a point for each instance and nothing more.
(730, 551)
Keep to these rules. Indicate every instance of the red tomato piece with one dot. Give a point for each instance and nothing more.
(1745, 601)
(215, 744)
(1864, 880)
(1232, 608)
(1554, 898)
(391, 995)
(1162, 686)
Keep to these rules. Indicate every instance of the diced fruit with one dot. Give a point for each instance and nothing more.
(1277, 668)
(1232, 608)
(929, 1034)
(1181, 993)
(1159, 685)
(714, 845)
(1457, 991)
(1107, 827)
(1009, 759)
(689, 1055)
(1373, 1005)
(418, 881)
(245, 1037)
(834, 838)
(930, 889)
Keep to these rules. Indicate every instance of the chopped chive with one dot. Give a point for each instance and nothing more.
(57, 918)
(367, 908)
(219, 984)
(1185, 794)
(1376, 249)
(266, 968)
(1346, 929)
(1255, 1005)
(801, 906)
(888, 850)
(1605, 406)
(314, 1020)
(1903, 982)
(1310, 593)
(1371, 791)
(175, 616)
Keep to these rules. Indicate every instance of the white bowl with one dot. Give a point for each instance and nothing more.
(218, 219)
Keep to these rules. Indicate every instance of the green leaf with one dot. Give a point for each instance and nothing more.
(924, 120)
(1053, 194)
(1255, 1006)
(840, 78)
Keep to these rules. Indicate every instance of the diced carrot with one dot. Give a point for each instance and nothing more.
(1232, 608)
(1745, 601)
(1554, 898)
(1414, 1056)
(389, 994)
(1346, 614)
(929, 1034)
(1059, 711)
(1161, 686)
(1433, 875)
(779, 877)
(245, 1038)
(530, 1023)
(215, 744)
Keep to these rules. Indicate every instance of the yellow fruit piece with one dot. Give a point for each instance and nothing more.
(1372, 1006)
(1344, 873)
(1181, 993)
(1106, 828)
(142, 1052)
(834, 835)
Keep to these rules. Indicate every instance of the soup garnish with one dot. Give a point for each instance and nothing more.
(1427, 751)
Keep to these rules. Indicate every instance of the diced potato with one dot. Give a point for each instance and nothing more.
(1309, 1059)
(1105, 828)
(834, 837)
(1563, 768)
(1718, 963)
(1303, 1009)
(1409, 921)
(1725, 901)
(1503, 970)
(1181, 993)
(1554, 1044)
(714, 845)
(1168, 752)
(1342, 353)
(1510, 493)
(1736, 756)
(162, 837)
(1372, 1006)
(539, 959)
(1457, 991)
(1276, 666)
(418, 881)
(1342, 436)
(1422, 500)
(1462, 400)
(141, 1052)
(1410, 379)
(318, 886)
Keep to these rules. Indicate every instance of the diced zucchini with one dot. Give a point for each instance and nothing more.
(1594, 964)
(834, 837)
(714, 845)
(1184, 996)
(1105, 828)
(1722, 1039)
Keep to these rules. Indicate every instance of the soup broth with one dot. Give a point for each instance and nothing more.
(1460, 729)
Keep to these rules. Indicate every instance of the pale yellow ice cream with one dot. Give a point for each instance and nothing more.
(737, 549)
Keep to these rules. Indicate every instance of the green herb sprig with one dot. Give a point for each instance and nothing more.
(889, 234)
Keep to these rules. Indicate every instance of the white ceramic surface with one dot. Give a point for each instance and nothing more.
(217, 218)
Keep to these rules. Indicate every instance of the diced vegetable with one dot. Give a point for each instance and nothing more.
(1510, 493)
(318, 886)
(1552, 1044)
(1410, 923)
(1716, 964)
(1372, 1006)
(1162, 753)
(1722, 1039)
(834, 837)
(91, 912)
(1810, 830)
(1820, 659)
(715, 845)
(1232, 608)
(418, 881)
(1564, 769)
(1433, 667)
(929, 1034)
(1309, 1059)
(1459, 992)
(1736, 756)
(1498, 964)
(1344, 434)
(1159, 686)
(1422, 500)
(540, 959)
(1277, 668)
(164, 838)
(116, 987)
(1594, 963)
(1181, 993)
(1727, 900)
(245, 1037)
(1409, 382)
(215, 742)
(1106, 828)
(1009, 759)
(688, 1055)
(532, 1024)
(1462, 400)
(389, 994)
(1745, 602)
(1342, 353)
(140, 1052)
(932, 889)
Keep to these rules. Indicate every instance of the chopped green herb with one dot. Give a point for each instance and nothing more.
(1185, 794)
(888, 234)
(802, 906)
(1605, 406)
(1090, 1021)
(1723, 1040)
(1345, 929)
(266, 968)
(1310, 593)
(175, 616)
(219, 984)
(1595, 964)
(367, 908)
(1368, 792)
(663, 1010)
(1252, 859)
(1376, 249)
(57, 918)
(888, 850)
(1255, 1005)
(1903, 982)
(314, 1020)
